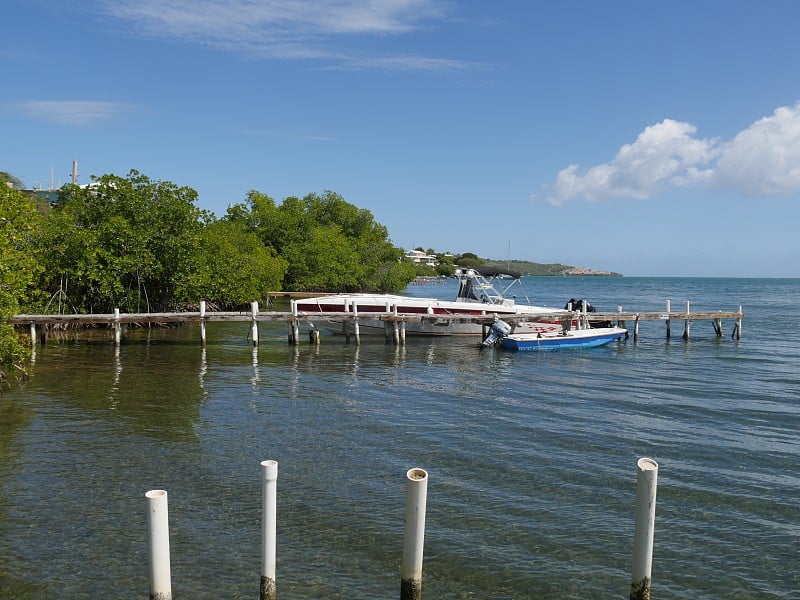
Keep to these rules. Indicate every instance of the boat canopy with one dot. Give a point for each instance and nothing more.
(474, 287)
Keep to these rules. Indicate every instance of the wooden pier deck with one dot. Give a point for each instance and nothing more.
(40, 324)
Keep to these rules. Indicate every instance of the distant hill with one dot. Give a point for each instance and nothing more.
(540, 269)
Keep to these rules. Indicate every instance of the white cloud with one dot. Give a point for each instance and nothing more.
(762, 160)
(287, 29)
(75, 113)
(664, 155)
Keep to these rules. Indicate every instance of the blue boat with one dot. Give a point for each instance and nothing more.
(560, 340)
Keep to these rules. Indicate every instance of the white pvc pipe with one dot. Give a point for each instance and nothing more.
(269, 480)
(414, 534)
(158, 545)
(117, 327)
(646, 481)
(739, 324)
(668, 327)
(203, 322)
(687, 325)
(254, 327)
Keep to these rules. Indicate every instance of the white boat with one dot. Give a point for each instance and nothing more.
(477, 296)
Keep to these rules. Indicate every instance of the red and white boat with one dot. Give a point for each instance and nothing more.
(477, 296)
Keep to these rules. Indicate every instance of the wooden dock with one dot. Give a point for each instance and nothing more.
(394, 322)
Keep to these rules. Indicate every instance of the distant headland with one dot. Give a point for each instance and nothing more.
(542, 269)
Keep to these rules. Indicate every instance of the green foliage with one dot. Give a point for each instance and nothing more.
(142, 245)
(126, 243)
(327, 243)
(468, 259)
(6, 178)
(19, 268)
(423, 270)
(234, 267)
(445, 269)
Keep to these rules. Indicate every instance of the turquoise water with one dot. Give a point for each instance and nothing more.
(531, 457)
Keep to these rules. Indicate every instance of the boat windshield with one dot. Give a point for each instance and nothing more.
(473, 287)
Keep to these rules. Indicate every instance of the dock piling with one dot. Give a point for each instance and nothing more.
(737, 329)
(356, 327)
(295, 331)
(718, 327)
(687, 324)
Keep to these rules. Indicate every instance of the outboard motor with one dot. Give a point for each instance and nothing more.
(498, 331)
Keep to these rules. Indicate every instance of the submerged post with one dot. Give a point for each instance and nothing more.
(158, 545)
(269, 478)
(646, 480)
(254, 326)
(668, 331)
(414, 534)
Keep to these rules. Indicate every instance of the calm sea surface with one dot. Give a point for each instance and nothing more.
(531, 457)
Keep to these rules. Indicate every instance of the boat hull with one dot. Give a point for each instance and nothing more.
(580, 338)
(433, 327)
(427, 317)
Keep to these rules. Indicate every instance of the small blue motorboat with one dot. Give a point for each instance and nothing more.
(557, 338)
(560, 340)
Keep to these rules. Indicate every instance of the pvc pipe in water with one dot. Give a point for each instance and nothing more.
(414, 534)
(356, 328)
(269, 480)
(295, 331)
(739, 324)
(687, 325)
(668, 328)
(203, 322)
(646, 480)
(254, 327)
(158, 545)
(117, 327)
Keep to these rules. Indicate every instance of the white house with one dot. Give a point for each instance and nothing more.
(419, 257)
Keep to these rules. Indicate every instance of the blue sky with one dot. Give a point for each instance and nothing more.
(652, 139)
